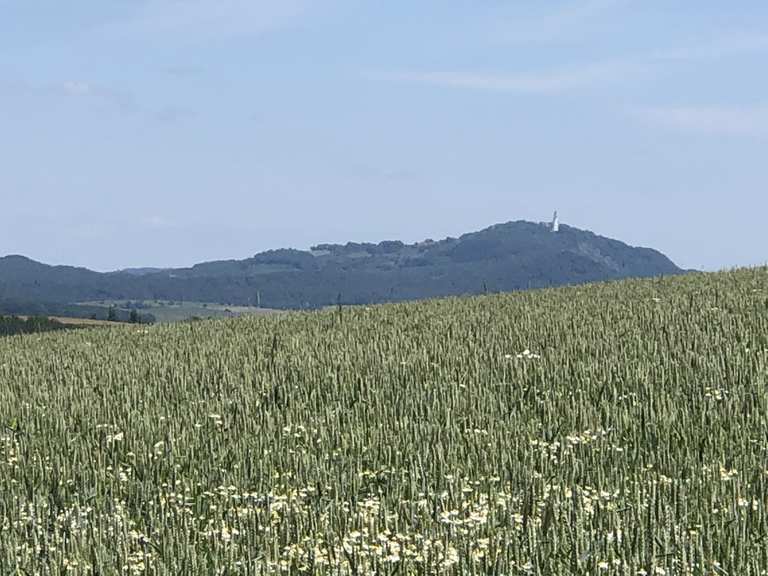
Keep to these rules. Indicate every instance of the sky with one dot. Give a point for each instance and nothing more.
(170, 132)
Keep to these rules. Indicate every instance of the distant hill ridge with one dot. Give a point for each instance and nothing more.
(504, 257)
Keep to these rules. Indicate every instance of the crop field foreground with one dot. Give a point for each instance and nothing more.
(611, 429)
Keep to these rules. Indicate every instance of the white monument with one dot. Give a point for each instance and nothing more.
(555, 223)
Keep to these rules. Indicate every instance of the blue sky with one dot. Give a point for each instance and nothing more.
(168, 132)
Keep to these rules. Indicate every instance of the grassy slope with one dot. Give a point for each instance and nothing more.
(408, 436)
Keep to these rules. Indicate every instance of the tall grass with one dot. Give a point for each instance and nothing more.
(617, 429)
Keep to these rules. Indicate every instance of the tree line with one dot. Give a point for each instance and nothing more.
(12, 325)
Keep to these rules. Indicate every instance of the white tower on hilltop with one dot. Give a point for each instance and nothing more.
(555, 223)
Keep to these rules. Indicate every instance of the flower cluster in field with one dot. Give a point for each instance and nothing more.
(468, 523)
(555, 450)
(524, 355)
(9, 450)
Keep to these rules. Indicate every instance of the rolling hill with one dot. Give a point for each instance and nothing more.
(504, 257)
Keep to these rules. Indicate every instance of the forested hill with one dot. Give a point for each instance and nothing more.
(504, 257)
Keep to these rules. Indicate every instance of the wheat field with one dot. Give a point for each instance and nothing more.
(610, 429)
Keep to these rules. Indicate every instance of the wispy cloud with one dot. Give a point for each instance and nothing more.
(524, 83)
(643, 64)
(737, 43)
(751, 121)
(375, 173)
(183, 71)
(76, 88)
(122, 100)
(174, 114)
(569, 21)
(157, 222)
(206, 19)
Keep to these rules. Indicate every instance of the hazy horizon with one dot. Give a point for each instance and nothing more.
(163, 133)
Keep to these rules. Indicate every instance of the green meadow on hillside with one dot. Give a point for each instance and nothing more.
(612, 429)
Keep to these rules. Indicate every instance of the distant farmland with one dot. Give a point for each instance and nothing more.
(67, 321)
(614, 429)
(176, 311)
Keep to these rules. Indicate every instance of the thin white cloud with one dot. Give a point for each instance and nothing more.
(205, 19)
(157, 222)
(174, 114)
(375, 173)
(123, 101)
(119, 99)
(570, 21)
(725, 45)
(560, 80)
(76, 88)
(523, 83)
(749, 121)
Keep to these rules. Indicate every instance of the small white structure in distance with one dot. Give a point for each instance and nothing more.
(555, 223)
